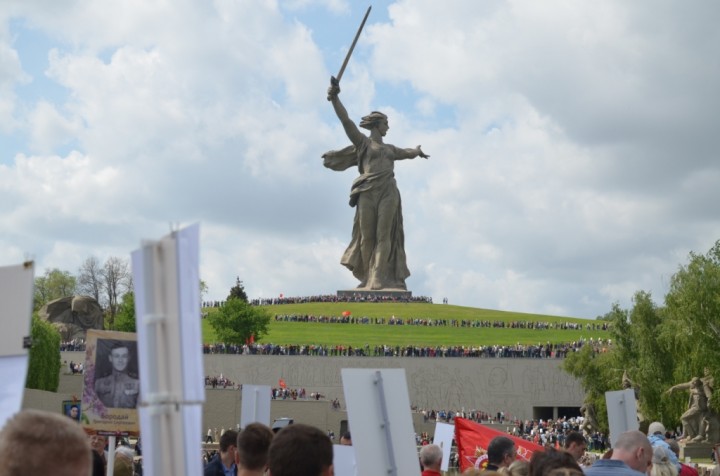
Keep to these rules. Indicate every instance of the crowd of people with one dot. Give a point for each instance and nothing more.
(427, 322)
(303, 450)
(219, 381)
(75, 345)
(538, 351)
(321, 298)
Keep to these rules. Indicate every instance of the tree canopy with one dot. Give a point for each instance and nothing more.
(44, 358)
(238, 291)
(125, 318)
(54, 284)
(658, 346)
(238, 322)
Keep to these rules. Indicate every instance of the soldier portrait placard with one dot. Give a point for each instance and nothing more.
(111, 390)
(71, 409)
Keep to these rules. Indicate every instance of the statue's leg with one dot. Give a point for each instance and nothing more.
(381, 269)
(687, 428)
(367, 217)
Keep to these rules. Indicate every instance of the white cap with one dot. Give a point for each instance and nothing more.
(656, 427)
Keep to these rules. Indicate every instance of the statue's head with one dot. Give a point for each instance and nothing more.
(372, 120)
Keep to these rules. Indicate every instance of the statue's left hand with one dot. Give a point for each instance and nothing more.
(421, 153)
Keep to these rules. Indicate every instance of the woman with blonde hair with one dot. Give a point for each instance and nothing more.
(519, 467)
(661, 463)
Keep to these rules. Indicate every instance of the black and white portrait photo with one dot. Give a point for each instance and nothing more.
(116, 373)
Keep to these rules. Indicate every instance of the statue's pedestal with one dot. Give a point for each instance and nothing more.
(695, 450)
(366, 295)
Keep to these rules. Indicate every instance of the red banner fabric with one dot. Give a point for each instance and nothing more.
(473, 439)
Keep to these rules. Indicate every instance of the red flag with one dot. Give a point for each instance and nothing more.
(281, 383)
(473, 439)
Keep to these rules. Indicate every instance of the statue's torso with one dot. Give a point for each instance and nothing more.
(378, 158)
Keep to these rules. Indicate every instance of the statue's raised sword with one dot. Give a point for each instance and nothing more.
(336, 80)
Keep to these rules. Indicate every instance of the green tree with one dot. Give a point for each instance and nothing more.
(203, 291)
(116, 280)
(237, 321)
(651, 369)
(54, 284)
(44, 360)
(125, 317)
(661, 346)
(598, 374)
(693, 310)
(238, 291)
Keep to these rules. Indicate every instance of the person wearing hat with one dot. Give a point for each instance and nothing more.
(656, 436)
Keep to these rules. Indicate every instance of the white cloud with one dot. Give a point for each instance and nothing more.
(573, 153)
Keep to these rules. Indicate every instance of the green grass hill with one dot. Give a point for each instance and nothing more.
(282, 332)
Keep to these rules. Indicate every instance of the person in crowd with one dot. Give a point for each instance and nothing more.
(253, 444)
(575, 444)
(430, 459)
(662, 465)
(124, 461)
(209, 437)
(631, 456)
(119, 389)
(346, 439)
(223, 463)
(656, 436)
(685, 469)
(519, 467)
(38, 442)
(542, 463)
(99, 458)
(300, 450)
(501, 453)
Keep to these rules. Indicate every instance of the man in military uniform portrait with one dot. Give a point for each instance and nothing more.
(120, 389)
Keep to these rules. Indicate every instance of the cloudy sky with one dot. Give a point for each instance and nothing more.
(574, 145)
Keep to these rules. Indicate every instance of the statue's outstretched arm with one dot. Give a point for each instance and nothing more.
(351, 129)
(409, 153)
(681, 386)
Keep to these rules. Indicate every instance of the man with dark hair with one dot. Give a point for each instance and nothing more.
(223, 464)
(118, 390)
(73, 412)
(575, 444)
(543, 462)
(346, 439)
(430, 459)
(501, 453)
(252, 449)
(300, 450)
(38, 442)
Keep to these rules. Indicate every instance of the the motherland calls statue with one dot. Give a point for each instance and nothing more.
(73, 315)
(376, 254)
(699, 422)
